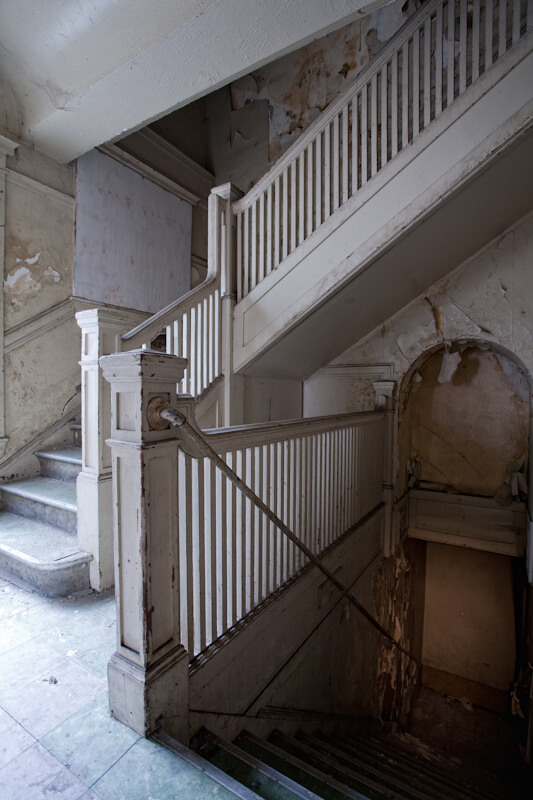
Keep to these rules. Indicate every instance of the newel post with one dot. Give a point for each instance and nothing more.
(101, 330)
(148, 674)
(385, 402)
(222, 237)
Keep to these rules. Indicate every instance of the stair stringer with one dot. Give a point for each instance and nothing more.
(406, 228)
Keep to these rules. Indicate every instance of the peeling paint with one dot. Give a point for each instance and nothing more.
(19, 283)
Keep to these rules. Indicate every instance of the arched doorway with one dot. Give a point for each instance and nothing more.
(463, 444)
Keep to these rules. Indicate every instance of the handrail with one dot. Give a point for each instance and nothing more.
(146, 330)
(179, 421)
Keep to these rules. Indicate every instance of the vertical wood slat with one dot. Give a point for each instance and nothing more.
(427, 72)
(327, 172)
(374, 125)
(355, 144)
(516, 20)
(462, 45)
(245, 251)
(276, 223)
(529, 17)
(502, 28)
(301, 198)
(309, 189)
(364, 134)
(293, 207)
(318, 180)
(262, 242)
(476, 17)
(285, 228)
(450, 74)
(253, 246)
(384, 115)
(489, 32)
(405, 95)
(268, 265)
(241, 283)
(345, 187)
(416, 83)
(438, 61)
(336, 162)
(394, 106)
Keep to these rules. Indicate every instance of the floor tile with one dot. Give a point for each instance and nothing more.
(23, 664)
(46, 702)
(147, 770)
(37, 775)
(13, 739)
(12, 634)
(13, 600)
(80, 635)
(90, 741)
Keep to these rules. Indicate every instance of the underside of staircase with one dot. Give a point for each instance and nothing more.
(38, 527)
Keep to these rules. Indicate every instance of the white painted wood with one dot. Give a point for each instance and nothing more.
(374, 125)
(285, 231)
(336, 163)
(344, 181)
(318, 181)
(438, 61)
(364, 135)
(489, 32)
(394, 105)
(502, 28)
(416, 83)
(476, 21)
(384, 115)
(405, 95)
(427, 72)
(463, 54)
(450, 73)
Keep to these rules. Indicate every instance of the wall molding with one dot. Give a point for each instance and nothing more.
(31, 185)
(373, 372)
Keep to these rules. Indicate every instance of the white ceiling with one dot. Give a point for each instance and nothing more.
(77, 73)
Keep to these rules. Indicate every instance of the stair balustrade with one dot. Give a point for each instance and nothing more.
(194, 555)
(432, 60)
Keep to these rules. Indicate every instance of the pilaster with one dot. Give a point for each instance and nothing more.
(385, 402)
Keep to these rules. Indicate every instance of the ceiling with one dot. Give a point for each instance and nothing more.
(78, 73)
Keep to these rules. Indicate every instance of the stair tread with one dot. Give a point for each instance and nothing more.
(71, 455)
(36, 541)
(53, 492)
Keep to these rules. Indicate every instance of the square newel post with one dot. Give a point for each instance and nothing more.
(101, 330)
(148, 674)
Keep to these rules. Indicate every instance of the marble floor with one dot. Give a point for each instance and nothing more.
(57, 738)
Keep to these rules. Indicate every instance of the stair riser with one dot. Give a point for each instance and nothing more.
(57, 582)
(60, 470)
(34, 509)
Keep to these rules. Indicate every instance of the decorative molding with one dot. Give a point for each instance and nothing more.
(173, 154)
(200, 265)
(31, 185)
(38, 325)
(8, 146)
(373, 372)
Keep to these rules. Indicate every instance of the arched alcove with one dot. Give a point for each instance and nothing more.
(462, 461)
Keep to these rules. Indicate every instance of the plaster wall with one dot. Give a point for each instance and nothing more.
(133, 238)
(469, 615)
(255, 119)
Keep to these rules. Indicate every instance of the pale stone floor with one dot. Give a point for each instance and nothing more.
(57, 738)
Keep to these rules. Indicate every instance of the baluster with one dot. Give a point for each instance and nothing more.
(327, 172)
(438, 61)
(253, 246)
(269, 230)
(394, 106)
(374, 125)
(345, 186)
(271, 526)
(293, 206)
(450, 77)
(210, 340)
(240, 517)
(416, 83)
(427, 72)
(516, 20)
(405, 95)
(261, 237)
(205, 344)
(502, 29)
(462, 46)
(234, 527)
(192, 341)
(364, 134)
(318, 180)
(210, 554)
(285, 229)
(309, 151)
(248, 532)
(313, 493)
(219, 522)
(301, 198)
(257, 595)
(489, 32)
(217, 341)
(475, 40)
(355, 147)
(277, 222)
(384, 115)
(336, 162)
(529, 14)
(265, 454)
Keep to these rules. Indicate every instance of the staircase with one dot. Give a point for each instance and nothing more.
(368, 766)
(38, 527)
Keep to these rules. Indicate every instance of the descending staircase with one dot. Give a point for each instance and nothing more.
(38, 522)
(382, 766)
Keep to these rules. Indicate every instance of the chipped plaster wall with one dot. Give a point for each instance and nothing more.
(488, 299)
(41, 358)
(257, 118)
